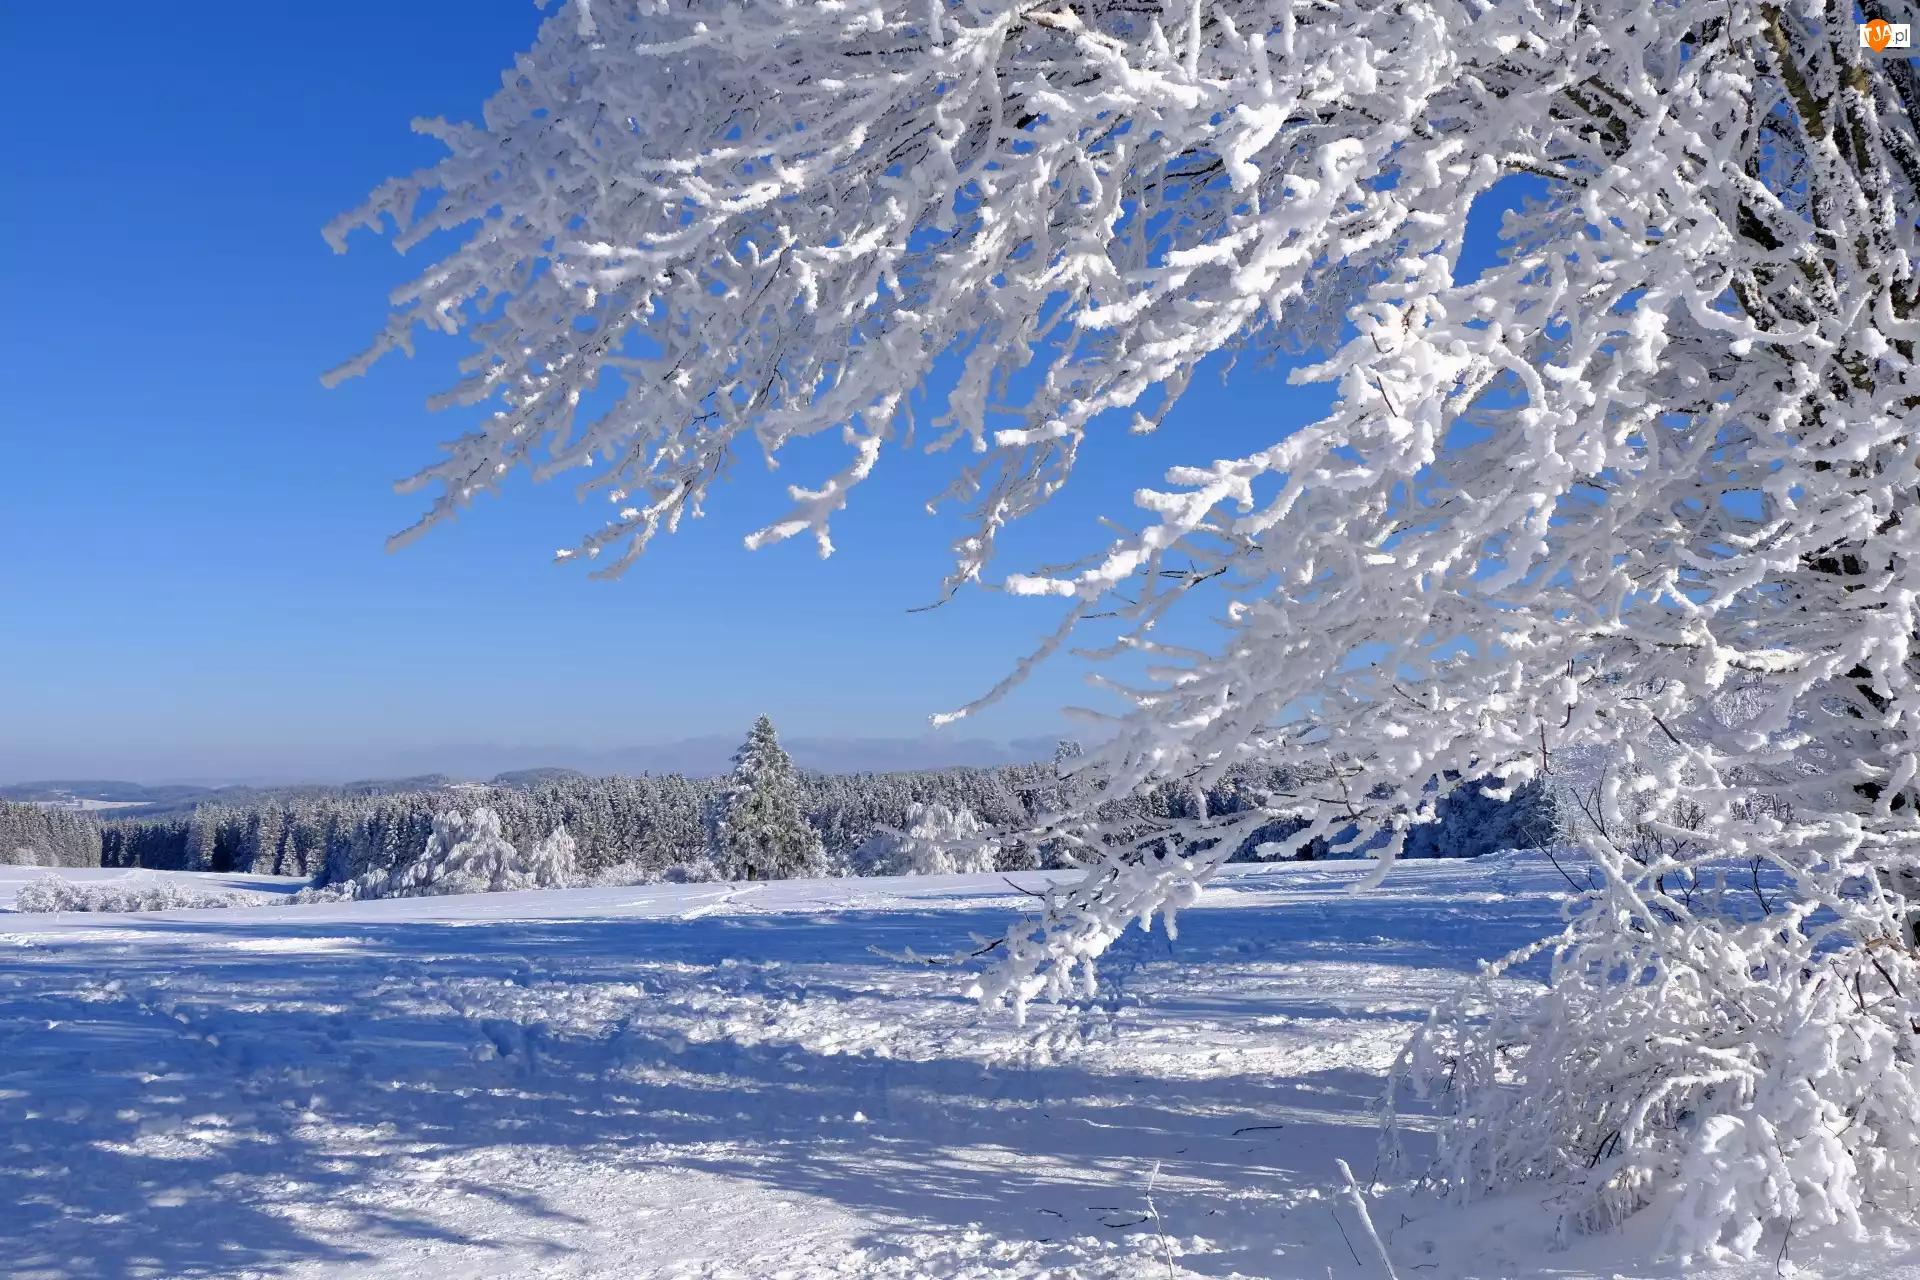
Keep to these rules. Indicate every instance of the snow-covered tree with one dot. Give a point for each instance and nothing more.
(761, 830)
(1469, 825)
(553, 862)
(467, 853)
(1658, 456)
(937, 840)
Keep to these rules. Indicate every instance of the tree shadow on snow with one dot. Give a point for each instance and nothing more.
(218, 1097)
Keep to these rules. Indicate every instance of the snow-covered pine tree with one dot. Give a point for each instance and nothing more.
(201, 841)
(266, 825)
(759, 827)
(552, 862)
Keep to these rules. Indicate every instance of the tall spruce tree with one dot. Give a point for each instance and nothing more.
(762, 829)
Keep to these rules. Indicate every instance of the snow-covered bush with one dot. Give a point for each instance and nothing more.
(1731, 1047)
(624, 875)
(465, 854)
(1470, 825)
(54, 893)
(938, 840)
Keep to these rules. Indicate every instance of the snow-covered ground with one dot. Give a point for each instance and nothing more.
(731, 1081)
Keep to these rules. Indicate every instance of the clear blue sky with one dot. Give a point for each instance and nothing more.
(193, 579)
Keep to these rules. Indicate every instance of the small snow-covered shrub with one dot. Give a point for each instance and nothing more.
(1728, 1044)
(23, 858)
(626, 875)
(619, 875)
(52, 893)
(691, 873)
(1471, 824)
(938, 841)
(465, 854)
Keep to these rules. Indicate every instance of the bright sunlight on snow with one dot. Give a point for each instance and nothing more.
(734, 1081)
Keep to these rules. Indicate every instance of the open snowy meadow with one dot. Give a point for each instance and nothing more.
(734, 1081)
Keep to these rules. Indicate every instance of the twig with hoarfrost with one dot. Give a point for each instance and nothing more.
(1366, 1219)
(1153, 1211)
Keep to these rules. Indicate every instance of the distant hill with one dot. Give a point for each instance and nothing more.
(534, 777)
(133, 800)
(451, 768)
(382, 786)
(95, 789)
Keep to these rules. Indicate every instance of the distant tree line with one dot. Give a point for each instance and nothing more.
(668, 826)
(32, 835)
(654, 823)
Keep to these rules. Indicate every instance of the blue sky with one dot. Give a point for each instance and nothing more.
(193, 576)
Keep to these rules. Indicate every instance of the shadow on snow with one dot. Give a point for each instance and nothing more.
(158, 1098)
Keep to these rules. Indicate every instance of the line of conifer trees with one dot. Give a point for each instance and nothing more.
(654, 824)
(34, 836)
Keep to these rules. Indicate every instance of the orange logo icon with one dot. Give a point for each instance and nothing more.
(1881, 35)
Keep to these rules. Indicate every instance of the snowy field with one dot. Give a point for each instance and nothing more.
(728, 1081)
